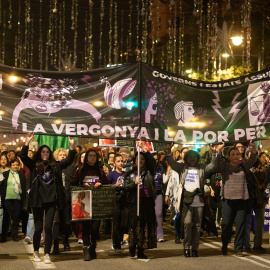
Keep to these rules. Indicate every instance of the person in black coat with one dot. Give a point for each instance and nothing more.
(142, 228)
(12, 190)
(46, 192)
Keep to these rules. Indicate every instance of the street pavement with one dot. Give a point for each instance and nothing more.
(168, 256)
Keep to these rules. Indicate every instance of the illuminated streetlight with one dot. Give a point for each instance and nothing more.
(171, 133)
(13, 79)
(98, 103)
(58, 121)
(237, 40)
(95, 144)
(225, 55)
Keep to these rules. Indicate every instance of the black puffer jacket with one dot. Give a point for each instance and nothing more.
(33, 183)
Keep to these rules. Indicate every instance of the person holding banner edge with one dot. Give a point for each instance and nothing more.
(142, 225)
(190, 194)
(234, 195)
(46, 191)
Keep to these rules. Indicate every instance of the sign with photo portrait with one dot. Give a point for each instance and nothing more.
(92, 203)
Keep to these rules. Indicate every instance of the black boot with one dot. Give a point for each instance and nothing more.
(177, 239)
(66, 245)
(3, 238)
(86, 254)
(56, 250)
(15, 238)
(93, 253)
(141, 254)
(132, 251)
(195, 253)
(186, 253)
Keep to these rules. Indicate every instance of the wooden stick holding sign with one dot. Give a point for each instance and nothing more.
(138, 177)
(140, 148)
(268, 220)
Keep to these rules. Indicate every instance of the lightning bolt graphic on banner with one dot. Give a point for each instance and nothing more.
(234, 110)
(217, 106)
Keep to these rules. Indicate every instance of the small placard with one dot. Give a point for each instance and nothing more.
(93, 203)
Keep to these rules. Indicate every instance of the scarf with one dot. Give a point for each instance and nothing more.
(15, 182)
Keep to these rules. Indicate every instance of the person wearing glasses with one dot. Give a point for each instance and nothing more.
(90, 174)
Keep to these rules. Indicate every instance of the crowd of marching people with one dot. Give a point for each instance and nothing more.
(218, 190)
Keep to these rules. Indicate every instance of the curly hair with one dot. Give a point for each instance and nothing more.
(57, 151)
(189, 152)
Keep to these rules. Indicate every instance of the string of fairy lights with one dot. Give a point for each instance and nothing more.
(174, 35)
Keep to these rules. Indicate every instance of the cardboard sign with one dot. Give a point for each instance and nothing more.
(92, 203)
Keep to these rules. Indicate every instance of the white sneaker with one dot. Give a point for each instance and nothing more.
(36, 256)
(80, 241)
(28, 240)
(161, 240)
(47, 259)
(125, 242)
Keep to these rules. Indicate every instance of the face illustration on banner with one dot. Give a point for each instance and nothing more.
(49, 96)
(184, 112)
(114, 95)
(150, 104)
(259, 103)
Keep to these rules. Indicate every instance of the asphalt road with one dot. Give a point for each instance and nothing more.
(167, 256)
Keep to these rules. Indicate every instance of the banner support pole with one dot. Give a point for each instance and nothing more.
(140, 121)
(138, 186)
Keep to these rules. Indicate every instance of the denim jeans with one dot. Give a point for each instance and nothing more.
(30, 227)
(1, 219)
(176, 222)
(234, 209)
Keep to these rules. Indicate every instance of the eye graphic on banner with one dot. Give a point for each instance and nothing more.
(114, 95)
(47, 95)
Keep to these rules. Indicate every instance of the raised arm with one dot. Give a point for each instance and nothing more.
(176, 166)
(214, 161)
(28, 162)
(253, 157)
(71, 155)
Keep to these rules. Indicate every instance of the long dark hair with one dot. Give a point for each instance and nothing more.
(41, 164)
(86, 167)
(134, 168)
(77, 163)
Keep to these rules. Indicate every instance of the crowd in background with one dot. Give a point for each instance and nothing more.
(202, 192)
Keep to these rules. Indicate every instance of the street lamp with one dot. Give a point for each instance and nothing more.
(237, 40)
